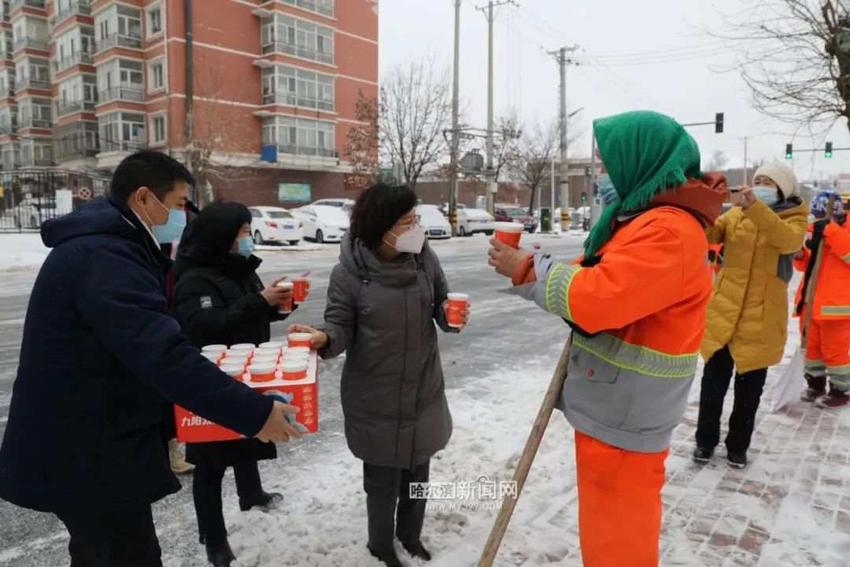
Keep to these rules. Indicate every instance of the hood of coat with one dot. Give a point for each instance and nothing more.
(101, 216)
(208, 240)
(367, 265)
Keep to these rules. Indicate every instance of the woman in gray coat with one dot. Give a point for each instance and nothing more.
(385, 295)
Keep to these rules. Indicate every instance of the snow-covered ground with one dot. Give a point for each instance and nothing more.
(24, 251)
(791, 506)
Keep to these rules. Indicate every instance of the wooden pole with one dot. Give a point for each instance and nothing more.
(527, 458)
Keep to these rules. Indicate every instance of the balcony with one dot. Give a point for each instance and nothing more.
(115, 40)
(27, 42)
(32, 161)
(289, 99)
(121, 146)
(78, 58)
(72, 106)
(296, 51)
(16, 4)
(75, 146)
(8, 129)
(29, 83)
(76, 8)
(29, 122)
(307, 151)
(127, 94)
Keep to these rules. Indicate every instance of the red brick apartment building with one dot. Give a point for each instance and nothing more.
(272, 91)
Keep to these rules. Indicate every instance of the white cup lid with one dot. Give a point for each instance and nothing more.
(458, 296)
(293, 365)
(509, 227)
(286, 285)
(243, 347)
(214, 348)
(300, 336)
(264, 368)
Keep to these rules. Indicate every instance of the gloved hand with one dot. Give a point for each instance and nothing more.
(817, 233)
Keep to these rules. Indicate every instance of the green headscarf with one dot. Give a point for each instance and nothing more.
(645, 153)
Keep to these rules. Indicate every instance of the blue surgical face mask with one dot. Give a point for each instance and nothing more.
(245, 246)
(768, 195)
(172, 230)
(608, 193)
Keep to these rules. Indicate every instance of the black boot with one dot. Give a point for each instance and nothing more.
(418, 550)
(387, 556)
(265, 501)
(220, 555)
(816, 388)
(737, 460)
(703, 455)
(834, 399)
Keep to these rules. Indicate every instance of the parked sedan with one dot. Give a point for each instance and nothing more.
(323, 223)
(471, 221)
(345, 204)
(274, 224)
(511, 213)
(432, 220)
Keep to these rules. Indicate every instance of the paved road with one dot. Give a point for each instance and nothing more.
(33, 539)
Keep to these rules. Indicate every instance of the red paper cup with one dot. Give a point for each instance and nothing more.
(509, 233)
(299, 340)
(300, 289)
(262, 372)
(457, 303)
(294, 370)
(286, 304)
(236, 371)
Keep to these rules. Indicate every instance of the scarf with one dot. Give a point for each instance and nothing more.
(645, 154)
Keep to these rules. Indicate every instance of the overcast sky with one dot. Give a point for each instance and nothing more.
(684, 80)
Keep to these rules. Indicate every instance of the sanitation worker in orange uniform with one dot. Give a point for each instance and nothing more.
(637, 303)
(828, 339)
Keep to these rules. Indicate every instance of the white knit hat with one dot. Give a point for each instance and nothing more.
(783, 176)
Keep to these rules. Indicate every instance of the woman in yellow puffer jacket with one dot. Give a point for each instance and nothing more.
(747, 321)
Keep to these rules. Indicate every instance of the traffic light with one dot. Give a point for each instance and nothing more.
(718, 123)
(789, 151)
(828, 152)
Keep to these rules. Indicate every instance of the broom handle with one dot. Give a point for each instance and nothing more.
(813, 280)
(528, 454)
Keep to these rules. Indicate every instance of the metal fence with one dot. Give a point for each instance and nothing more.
(28, 197)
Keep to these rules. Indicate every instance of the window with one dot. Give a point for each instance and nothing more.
(120, 79)
(255, 213)
(297, 87)
(300, 136)
(121, 131)
(300, 38)
(32, 72)
(156, 75)
(74, 47)
(154, 20)
(119, 25)
(76, 94)
(324, 7)
(159, 132)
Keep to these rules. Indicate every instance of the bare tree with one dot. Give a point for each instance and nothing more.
(362, 147)
(717, 162)
(798, 62)
(533, 157)
(414, 112)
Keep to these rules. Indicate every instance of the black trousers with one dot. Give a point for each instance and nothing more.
(390, 507)
(114, 538)
(715, 383)
(206, 490)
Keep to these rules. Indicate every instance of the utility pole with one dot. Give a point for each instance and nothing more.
(455, 125)
(746, 164)
(561, 56)
(492, 187)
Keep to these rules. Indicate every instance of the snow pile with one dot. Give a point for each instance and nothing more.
(22, 251)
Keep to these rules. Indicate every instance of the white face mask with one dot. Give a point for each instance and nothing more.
(411, 241)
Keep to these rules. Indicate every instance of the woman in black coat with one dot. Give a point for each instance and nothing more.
(220, 300)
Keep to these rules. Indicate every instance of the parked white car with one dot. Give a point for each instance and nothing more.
(471, 221)
(323, 223)
(345, 204)
(432, 220)
(275, 224)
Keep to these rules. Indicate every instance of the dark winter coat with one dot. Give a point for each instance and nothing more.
(101, 359)
(383, 313)
(218, 301)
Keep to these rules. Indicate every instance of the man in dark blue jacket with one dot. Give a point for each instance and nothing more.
(101, 362)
